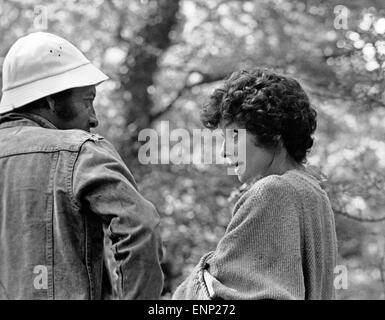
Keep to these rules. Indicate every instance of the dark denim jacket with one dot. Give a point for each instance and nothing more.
(72, 223)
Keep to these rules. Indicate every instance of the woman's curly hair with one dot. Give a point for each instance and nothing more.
(270, 106)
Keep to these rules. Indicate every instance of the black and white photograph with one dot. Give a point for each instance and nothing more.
(192, 150)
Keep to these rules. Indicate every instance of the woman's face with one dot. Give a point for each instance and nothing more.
(250, 161)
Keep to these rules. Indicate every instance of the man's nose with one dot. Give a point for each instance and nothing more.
(94, 122)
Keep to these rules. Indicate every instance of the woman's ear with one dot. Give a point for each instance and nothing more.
(279, 149)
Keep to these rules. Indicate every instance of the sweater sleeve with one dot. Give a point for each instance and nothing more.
(194, 287)
(260, 255)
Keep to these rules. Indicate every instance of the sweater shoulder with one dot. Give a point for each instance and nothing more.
(270, 191)
(291, 181)
(272, 185)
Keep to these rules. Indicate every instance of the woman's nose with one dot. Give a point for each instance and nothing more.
(223, 149)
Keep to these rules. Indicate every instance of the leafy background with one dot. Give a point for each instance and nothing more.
(164, 58)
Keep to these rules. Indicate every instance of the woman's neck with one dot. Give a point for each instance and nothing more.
(282, 163)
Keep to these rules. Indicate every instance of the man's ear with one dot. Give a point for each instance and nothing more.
(51, 104)
(278, 140)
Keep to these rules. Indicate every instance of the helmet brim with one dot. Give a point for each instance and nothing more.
(85, 75)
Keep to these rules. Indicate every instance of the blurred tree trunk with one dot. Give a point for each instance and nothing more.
(141, 65)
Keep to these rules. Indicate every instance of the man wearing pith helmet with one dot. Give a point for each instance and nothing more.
(72, 222)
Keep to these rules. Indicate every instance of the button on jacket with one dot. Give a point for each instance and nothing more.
(72, 223)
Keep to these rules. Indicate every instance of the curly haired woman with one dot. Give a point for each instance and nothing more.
(281, 241)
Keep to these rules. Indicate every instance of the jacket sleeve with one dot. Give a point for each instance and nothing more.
(103, 184)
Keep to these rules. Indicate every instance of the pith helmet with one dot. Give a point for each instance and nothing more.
(41, 64)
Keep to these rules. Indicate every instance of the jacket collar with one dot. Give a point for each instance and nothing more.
(24, 119)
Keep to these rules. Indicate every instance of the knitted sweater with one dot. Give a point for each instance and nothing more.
(280, 244)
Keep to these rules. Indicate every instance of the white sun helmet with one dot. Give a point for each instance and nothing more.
(41, 64)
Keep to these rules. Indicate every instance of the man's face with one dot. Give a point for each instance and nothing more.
(80, 110)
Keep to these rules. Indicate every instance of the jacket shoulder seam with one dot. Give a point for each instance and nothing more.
(70, 172)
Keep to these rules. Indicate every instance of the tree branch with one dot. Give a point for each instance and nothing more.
(206, 78)
(361, 219)
(336, 96)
